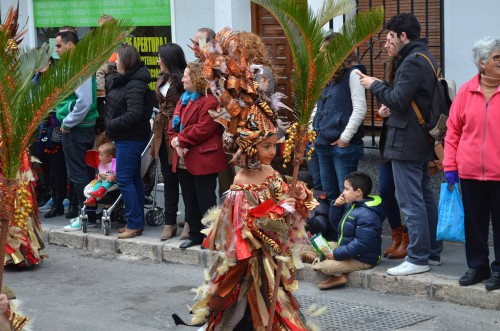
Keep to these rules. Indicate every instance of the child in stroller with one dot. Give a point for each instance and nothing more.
(106, 177)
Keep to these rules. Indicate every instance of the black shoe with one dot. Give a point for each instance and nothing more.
(494, 282)
(73, 211)
(474, 276)
(54, 211)
(189, 243)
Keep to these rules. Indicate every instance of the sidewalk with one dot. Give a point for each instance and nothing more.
(440, 284)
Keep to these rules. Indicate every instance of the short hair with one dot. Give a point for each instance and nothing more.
(173, 57)
(209, 32)
(67, 28)
(405, 22)
(129, 56)
(196, 75)
(360, 180)
(482, 49)
(67, 36)
(105, 18)
(108, 148)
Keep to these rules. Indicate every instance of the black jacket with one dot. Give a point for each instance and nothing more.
(360, 229)
(129, 106)
(402, 137)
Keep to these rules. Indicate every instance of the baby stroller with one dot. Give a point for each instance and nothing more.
(113, 204)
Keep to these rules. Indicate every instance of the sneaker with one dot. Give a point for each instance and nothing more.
(47, 206)
(73, 226)
(434, 262)
(66, 204)
(73, 220)
(407, 268)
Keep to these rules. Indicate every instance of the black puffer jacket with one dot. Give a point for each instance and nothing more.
(129, 105)
(402, 137)
(360, 228)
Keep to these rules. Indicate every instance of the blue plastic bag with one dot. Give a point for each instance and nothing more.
(450, 214)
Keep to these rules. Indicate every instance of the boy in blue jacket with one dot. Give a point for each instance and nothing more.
(359, 217)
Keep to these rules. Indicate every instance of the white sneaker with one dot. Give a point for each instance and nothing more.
(434, 262)
(74, 225)
(407, 268)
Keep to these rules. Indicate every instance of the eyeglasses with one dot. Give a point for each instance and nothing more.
(496, 58)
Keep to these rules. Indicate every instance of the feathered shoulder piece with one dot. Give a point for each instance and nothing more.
(239, 74)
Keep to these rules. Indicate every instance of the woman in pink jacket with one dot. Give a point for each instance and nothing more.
(472, 153)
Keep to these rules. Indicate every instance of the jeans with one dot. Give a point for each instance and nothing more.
(481, 205)
(388, 195)
(198, 193)
(129, 180)
(313, 167)
(170, 186)
(75, 144)
(416, 201)
(334, 164)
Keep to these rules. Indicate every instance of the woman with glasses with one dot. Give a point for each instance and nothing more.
(472, 156)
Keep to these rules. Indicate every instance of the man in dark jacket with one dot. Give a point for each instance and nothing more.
(406, 143)
(359, 217)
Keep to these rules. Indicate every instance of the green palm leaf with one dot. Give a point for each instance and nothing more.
(23, 105)
(312, 68)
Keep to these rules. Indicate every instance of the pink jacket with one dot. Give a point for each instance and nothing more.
(472, 143)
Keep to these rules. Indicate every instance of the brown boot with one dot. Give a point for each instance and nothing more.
(402, 250)
(121, 230)
(169, 231)
(396, 239)
(185, 232)
(333, 281)
(130, 233)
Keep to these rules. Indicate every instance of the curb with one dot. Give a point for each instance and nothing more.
(433, 286)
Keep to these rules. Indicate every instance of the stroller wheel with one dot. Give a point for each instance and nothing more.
(155, 217)
(107, 227)
(119, 215)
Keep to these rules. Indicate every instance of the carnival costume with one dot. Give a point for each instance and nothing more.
(253, 228)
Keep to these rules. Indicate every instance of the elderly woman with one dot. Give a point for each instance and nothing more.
(472, 156)
(199, 156)
(130, 106)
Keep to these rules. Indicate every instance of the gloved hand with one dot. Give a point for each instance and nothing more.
(451, 177)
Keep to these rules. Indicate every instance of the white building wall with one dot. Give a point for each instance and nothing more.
(465, 22)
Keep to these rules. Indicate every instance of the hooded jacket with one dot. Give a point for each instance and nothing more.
(402, 137)
(130, 105)
(360, 229)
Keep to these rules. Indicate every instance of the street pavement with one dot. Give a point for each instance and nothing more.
(440, 284)
(79, 290)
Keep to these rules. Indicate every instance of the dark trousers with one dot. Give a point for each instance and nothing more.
(388, 195)
(170, 186)
(58, 177)
(76, 143)
(481, 204)
(198, 193)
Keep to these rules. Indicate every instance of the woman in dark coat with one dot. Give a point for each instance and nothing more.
(197, 140)
(168, 91)
(127, 124)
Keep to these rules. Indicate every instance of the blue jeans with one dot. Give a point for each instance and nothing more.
(75, 144)
(416, 201)
(388, 195)
(129, 180)
(313, 167)
(334, 164)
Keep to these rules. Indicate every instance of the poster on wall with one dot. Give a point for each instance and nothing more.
(152, 19)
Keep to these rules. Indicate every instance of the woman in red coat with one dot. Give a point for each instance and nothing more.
(199, 156)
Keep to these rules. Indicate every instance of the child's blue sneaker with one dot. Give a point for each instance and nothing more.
(47, 206)
(66, 204)
(75, 225)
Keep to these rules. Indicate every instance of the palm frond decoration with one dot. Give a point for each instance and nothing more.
(313, 67)
(23, 105)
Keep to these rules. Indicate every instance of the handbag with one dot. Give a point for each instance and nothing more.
(436, 165)
(450, 214)
(56, 135)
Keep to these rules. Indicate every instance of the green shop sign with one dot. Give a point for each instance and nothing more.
(85, 13)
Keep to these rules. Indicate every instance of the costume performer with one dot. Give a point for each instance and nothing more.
(262, 218)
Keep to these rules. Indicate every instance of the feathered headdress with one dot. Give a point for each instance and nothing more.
(238, 71)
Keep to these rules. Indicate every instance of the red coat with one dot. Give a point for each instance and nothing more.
(201, 135)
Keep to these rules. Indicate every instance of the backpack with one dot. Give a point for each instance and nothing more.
(442, 96)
